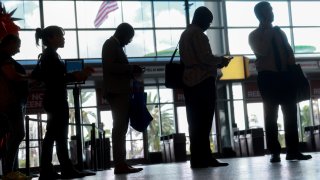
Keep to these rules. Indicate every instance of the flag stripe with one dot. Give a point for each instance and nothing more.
(105, 8)
(104, 13)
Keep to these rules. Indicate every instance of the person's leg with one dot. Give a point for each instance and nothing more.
(200, 106)
(269, 84)
(271, 127)
(46, 167)
(61, 138)
(291, 132)
(291, 127)
(16, 135)
(120, 106)
(120, 113)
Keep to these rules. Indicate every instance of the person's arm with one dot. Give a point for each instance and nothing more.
(10, 72)
(109, 56)
(260, 43)
(203, 51)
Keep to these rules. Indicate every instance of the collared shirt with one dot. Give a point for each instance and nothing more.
(260, 41)
(196, 55)
(117, 72)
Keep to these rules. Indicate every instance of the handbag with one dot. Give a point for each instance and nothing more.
(174, 73)
(140, 117)
(301, 83)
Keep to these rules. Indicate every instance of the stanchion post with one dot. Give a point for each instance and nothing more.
(27, 146)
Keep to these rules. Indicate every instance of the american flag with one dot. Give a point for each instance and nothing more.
(105, 8)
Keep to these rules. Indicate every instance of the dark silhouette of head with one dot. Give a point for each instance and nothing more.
(124, 33)
(10, 44)
(47, 33)
(263, 12)
(202, 17)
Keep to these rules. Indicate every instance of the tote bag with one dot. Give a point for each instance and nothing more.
(140, 117)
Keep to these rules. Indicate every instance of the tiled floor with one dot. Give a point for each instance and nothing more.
(251, 168)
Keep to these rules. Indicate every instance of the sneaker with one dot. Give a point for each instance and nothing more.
(16, 176)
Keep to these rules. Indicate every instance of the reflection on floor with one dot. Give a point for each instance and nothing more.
(250, 168)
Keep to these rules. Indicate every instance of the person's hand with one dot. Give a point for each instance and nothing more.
(88, 70)
(225, 61)
(137, 69)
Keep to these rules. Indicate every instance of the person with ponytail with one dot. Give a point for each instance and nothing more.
(55, 77)
(13, 98)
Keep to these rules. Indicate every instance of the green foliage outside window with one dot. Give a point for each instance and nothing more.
(166, 121)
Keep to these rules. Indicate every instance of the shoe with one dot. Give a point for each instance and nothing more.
(298, 156)
(49, 176)
(216, 163)
(70, 174)
(16, 176)
(275, 158)
(126, 169)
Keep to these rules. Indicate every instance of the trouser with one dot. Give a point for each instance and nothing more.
(200, 106)
(120, 105)
(57, 131)
(277, 89)
(16, 134)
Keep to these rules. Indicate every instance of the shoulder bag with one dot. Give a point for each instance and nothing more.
(174, 73)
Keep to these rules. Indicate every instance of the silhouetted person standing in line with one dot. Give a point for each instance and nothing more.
(274, 55)
(15, 80)
(200, 72)
(54, 76)
(117, 75)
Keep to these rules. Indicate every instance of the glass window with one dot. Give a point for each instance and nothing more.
(88, 97)
(166, 95)
(255, 115)
(182, 120)
(27, 11)
(154, 129)
(165, 11)
(28, 49)
(137, 13)
(106, 120)
(87, 12)
(316, 111)
(60, 13)
(236, 10)
(142, 44)
(167, 41)
(89, 115)
(239, 114)
(304, 12)
(70, 46)
(305, 116)
(306, 40)
(237, 91)
(238, 41)
(215, 37)
(167, 119)
(91, 42)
